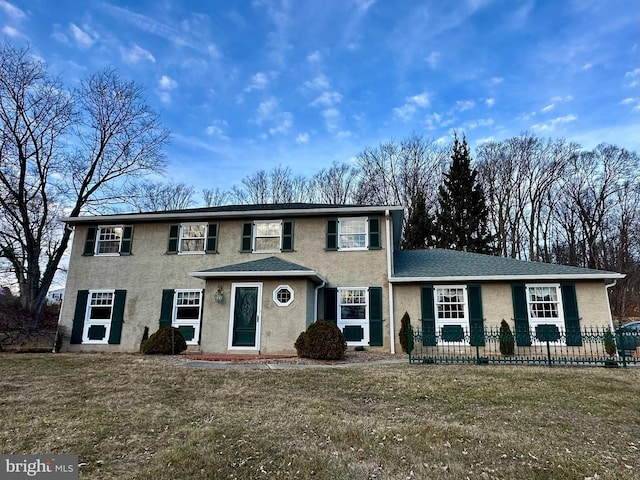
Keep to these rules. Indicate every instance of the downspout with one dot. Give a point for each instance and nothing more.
(606, 289)
(392, 326)
(315, 299)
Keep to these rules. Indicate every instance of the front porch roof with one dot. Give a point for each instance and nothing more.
(265, 267)
(439, 265)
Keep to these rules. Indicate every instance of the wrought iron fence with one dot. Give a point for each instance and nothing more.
(545, 345)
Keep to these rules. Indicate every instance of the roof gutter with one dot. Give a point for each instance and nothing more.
(267, 274)
(480, 278)
(606, 294)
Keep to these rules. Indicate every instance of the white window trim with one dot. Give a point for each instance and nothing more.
(232, 311)
(180, 238)
(366, 234)
(88, 323)
(187, 323)
(254, 236)
(97, 246)
(534, 322)
(275, 295)
(440, 322)
(364, 323)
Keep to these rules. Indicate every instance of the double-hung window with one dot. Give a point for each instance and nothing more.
(97, 323)
(451, 312)
(267, 236)
(193, 237)
(352, 233)
(187, 311)
(353, 315)
(544, 304)
(108, 241)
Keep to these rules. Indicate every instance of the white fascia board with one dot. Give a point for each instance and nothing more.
(492, 278)
(302, 212)
(260, 273)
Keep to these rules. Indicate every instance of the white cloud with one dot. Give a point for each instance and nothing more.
(82, 38)
(344, 134)
(11, 10)
(411, 106)
(327, 99)
(566, 98)
(587, 66)
(258, 82)
(266, 110)
(549, 126)
(495, 81)
(462, 105)
(302, 138)
(490, 102)
(634, 77)
(167, 83)
(364, 5)
(332, 118)
(320, 82)
(627, 101)
(11, 32)
(548, 108)
(314, 57)
(433, 60)
(421, 100)
(135, 55)
(284, 121)
(216, 129)
(405, 112)
(480, 122)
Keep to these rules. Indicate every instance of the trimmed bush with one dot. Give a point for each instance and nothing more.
(507, 342)
(406, 333)
(166, 341)
(322, 341)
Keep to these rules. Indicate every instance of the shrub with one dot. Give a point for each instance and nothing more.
(507, 342)
(322, 341)
(145, 336)
(57, 346)
(406, 333)
(609, 344)
(166, 341)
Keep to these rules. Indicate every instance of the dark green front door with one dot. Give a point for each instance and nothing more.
(245, 316)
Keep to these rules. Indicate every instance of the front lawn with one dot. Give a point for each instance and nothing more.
(130, 416)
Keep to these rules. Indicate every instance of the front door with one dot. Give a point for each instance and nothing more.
(245, 316)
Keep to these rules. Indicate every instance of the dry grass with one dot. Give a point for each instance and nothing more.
(129, 416)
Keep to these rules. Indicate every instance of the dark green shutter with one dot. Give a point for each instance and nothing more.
(174, 232)
(375, 316)
(476, 321)
(287, 236)
(166, 310)
(90, 241)
(247, 230)
(520, 316)
(78, 317)
(375, 242)
(127, 239)
(332, 234)
(571, 316)
(331, 305)
(212, 238)
(117, 318)
(428, 315)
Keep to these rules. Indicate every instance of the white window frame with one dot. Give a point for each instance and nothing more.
(181, 237)
(361, 322)
(535, 321)
(275, 295)
(442, 321)
(175, 322)
(99, 232)
(88, 322)
(255, 237)
(342, 222)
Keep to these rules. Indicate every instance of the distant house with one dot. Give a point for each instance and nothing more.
(55, 296)
(250, 278)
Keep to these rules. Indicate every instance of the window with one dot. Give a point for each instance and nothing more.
(108, 240)
(266, 236)
(283, 295)
(353, 304)
(192, 237)
(352, 233)
(451, 311)
(544, 306)
(97, 324)
(187, 310)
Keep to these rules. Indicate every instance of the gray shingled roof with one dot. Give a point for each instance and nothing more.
(439, 264)
(264, 267)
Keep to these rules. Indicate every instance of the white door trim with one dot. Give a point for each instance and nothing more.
(232, 312)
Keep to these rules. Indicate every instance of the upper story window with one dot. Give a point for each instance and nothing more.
(353, 233)
(267, 236)
(108, 240)
(188, 238)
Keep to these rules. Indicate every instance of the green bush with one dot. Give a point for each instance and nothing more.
(406, 334)
(322, 341)
(609, 344)
(507, 342)
(166, 341)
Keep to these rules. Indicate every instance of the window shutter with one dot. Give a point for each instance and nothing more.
(375, 242)
(127, 238)
(90, 241)
(78, 317)
(118, 316)
(174, 232)
(287, 236)
(247, 229)
(520, 316)
(476, 321)
(166, 310)
(375, 316)
(212, 238)
(332, 234)
(428, 316)
(331, 305)
(571, 317)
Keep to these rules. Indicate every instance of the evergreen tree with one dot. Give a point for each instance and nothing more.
(418, 232)
(462, 216)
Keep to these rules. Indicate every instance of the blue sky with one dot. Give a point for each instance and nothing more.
(245, 86)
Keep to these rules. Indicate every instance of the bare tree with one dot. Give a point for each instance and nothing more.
(336, 185)
(63, 151)
(215, 198)
(157, 196)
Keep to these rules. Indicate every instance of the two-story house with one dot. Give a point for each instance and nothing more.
(250, 278)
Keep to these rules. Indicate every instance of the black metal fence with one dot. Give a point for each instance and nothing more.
(543, 346)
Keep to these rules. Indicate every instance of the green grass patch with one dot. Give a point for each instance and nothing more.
(130, 416)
